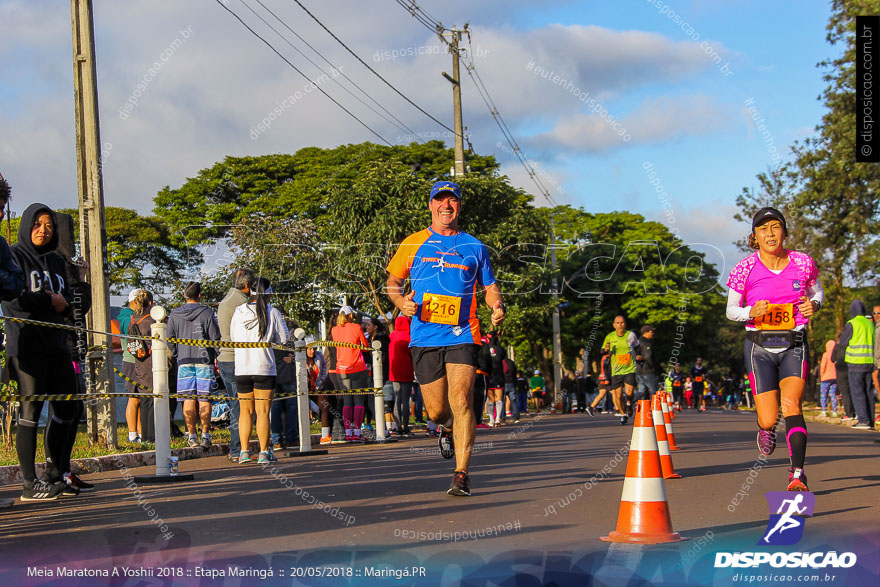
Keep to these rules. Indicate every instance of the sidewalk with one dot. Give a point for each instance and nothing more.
(11, 474)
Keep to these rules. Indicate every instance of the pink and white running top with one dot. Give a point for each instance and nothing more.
(751, 278)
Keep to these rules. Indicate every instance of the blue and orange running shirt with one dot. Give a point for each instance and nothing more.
(444, 272)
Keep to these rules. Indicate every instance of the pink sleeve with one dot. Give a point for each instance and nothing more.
(737, 279)
(807, 265)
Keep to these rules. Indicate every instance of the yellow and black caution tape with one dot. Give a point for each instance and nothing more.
(193, 342)
(362, 391)
(132, 381)
(225, 344)
(345, 345)
(68, 396)
(83, 396)
(68, 327)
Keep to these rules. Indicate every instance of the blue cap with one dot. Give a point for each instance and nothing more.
(444, 187)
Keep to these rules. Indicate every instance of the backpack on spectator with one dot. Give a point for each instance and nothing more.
(138, 348)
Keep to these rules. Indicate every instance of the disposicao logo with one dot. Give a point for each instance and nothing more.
(784, 528)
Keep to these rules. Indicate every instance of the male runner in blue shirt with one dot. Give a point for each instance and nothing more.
(446, 267)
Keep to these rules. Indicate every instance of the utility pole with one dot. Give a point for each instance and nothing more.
(557, 331)
(455, 80)
(92, 229)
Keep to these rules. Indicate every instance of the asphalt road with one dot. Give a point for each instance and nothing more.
(534, 510)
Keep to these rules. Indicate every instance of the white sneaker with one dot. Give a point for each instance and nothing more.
(823, 413)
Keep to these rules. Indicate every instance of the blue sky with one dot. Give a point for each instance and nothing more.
(684, 115)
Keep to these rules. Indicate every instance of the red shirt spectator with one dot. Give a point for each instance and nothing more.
(349, 360)
(401, 365)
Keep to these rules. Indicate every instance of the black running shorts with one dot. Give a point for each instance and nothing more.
(766, 369)
(619, 380)
(429, 363)
(245, 384)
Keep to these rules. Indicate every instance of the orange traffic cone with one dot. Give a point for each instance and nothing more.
(662, 442)
(667, 421)
(644, 511)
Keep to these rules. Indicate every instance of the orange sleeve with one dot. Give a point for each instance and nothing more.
(402, 260)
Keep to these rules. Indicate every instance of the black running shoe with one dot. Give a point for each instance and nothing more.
(447, 447)
(42, 491)
(591, 410)
(461, 484)
(74, 481)
(623, 420)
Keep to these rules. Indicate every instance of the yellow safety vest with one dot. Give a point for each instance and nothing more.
(860, 350)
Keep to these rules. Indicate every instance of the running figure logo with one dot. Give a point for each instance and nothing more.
(783, 528)
(441, 264)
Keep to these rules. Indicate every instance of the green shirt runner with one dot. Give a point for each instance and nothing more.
(623, 360)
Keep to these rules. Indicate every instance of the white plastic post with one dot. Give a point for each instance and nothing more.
(379, 399)
(302, 391)
(161, 420)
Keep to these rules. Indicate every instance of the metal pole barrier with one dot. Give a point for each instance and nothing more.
(379, 400)
(161, 419)
(302, 398)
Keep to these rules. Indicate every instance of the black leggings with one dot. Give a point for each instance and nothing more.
(44, 376)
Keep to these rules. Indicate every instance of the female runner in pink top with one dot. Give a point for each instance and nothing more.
(775, 292)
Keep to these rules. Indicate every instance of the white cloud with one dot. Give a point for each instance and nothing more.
(202, 103)
(655, 121)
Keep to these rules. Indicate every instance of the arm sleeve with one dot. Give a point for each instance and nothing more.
(844, 339)
(281, 333)
(35, 301)
(214, 329)
(633, 341)
(735, 311)
(401, 261)
(360, 337)
(816, 293)
(172, 333)
(322, 370)
(83, 291)
(876, 351)
(11, 276)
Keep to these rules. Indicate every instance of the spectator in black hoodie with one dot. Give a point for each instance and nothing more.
(11, 276)
(77, 273)
(195, 364)
(39, 357)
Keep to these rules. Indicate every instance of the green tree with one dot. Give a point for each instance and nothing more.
(617, 263)
(297, 185)
(286, 251)
(833, 202)
(369, 219)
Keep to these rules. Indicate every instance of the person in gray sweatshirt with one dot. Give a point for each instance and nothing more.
(236, 296)
(195, 364)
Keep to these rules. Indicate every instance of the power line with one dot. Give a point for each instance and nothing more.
(431, 23)
(471, 68)
(365, 64)
(400, 124)
(295, 68)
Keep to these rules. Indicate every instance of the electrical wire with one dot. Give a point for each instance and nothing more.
(397, 122)
(365, 64)
(295, 68)
(470, 67)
